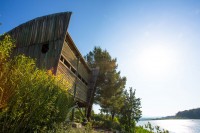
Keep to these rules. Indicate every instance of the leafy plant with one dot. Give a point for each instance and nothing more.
(130, 112)
(154, 129)
(32, 100)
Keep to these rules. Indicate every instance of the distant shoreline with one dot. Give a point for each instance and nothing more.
(186, 114)
(151, 119)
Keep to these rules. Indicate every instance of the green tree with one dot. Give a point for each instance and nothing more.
(107, 65)
(109, 85)
(115, 101)
(130, 112)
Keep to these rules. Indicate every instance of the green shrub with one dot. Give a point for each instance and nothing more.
(149, 127)
(32, 100)
(88, 127)
(140, 129)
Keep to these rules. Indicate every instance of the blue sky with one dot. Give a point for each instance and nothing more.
(156, 43)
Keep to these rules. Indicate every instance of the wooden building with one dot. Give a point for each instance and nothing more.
(46, 39)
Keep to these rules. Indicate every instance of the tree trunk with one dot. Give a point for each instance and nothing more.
(113, 116)
(89, 110)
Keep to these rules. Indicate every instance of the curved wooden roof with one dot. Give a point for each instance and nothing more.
(42, 29)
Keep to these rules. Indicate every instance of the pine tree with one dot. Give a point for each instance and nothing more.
(110, 85)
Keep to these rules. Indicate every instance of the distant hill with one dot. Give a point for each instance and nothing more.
(189, 114)
(186, 114)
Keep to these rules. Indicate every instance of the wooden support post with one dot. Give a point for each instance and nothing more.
(78, 58)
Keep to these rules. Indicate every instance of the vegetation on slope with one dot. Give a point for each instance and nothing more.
(111, 95)
(31, 100)
(189, 114)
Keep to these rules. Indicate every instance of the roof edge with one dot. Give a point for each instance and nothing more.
(37, 18)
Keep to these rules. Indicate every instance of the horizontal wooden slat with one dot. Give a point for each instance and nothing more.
(81, 90)
(69, 55)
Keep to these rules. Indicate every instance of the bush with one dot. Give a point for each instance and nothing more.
(149, 127)
(140, 129)
(31, 99)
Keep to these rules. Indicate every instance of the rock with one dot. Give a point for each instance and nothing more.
(76, 125)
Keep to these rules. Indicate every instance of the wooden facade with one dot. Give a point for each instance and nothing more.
(46, 39)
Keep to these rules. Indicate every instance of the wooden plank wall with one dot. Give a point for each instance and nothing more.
(46, 61)
(67, 74)
(84, 73)
(83, 78)
(69, 55)
(81, 88)
(30, 36)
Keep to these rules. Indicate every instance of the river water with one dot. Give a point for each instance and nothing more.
(175, 126)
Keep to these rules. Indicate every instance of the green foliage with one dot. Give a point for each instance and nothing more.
(109, 85)
(130, 112)
(152, 129)
(6, 47)
(105, 122)
(78, 116)
(102, 59)
(88, 127)
(32, 100)
(110, 94)
(140, 129)
(149, 127)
